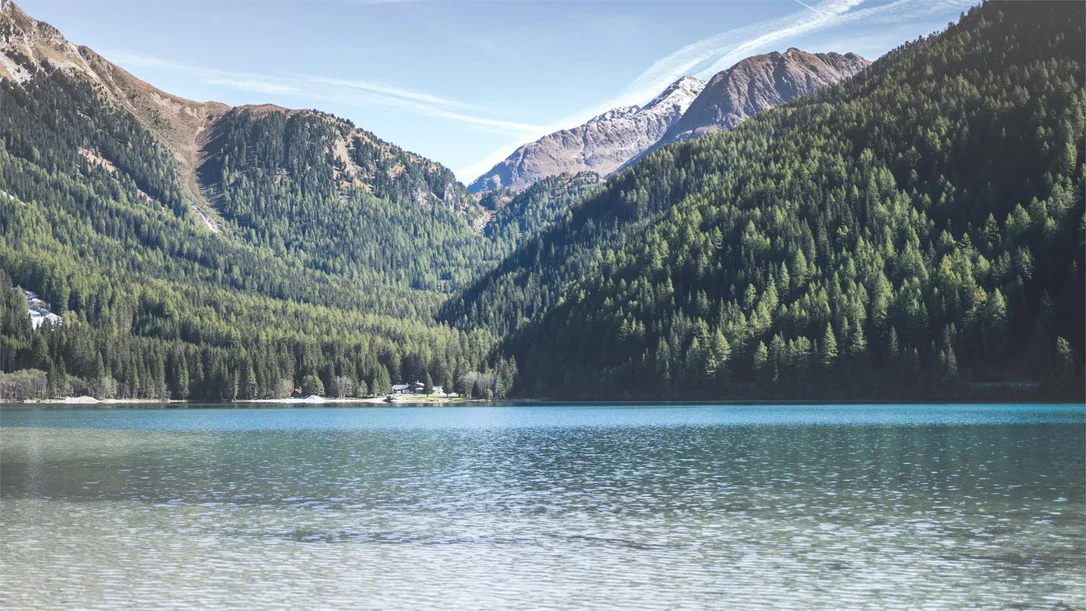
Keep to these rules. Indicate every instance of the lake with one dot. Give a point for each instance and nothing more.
(678, 506)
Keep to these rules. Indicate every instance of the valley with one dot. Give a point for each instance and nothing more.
(768, 234)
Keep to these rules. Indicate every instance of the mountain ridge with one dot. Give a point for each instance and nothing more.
(28, 46)
(754, 84)
(601, 144)
(768, 79)
(736, 93)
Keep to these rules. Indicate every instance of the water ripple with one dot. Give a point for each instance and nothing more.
(585, 507)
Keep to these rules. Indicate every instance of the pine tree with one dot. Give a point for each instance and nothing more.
(858, 342)
(718, 361)
(761, 358)
(1064, 361)
(382, 381)
(828, 347)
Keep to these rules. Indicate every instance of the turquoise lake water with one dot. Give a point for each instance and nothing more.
(575, 506)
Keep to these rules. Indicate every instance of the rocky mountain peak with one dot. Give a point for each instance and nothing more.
(601, 145)
(757, 83)
(674, 100)
(686, 86)
(615, 113)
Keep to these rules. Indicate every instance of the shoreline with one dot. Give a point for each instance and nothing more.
(290, 401)
(512, 402)
(425, 399)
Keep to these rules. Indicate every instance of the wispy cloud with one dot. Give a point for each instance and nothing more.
(802, 3)
(242, 81)
(257, 86)
(708, 56)
(388, 90)
(341, 91)
(523, 130)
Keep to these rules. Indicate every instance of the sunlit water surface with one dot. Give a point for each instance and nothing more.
(949, 506)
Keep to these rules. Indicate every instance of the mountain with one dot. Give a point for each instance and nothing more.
(914, 232)
(757, 83)
(601, 145)
(308, 185)
(187, 128)
(194, 250)
(29, 47)
(686, 109)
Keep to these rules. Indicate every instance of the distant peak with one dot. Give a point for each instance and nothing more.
(615, 113)
(686, 79)
(684, 82)
(687, 87)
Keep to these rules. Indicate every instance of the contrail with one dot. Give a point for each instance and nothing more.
(810, 7)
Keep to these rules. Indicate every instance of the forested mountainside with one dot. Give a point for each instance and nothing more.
(904, 234)
(156, 306)
(197, 251)
(313, 188)
(527, 213)
(914, 231)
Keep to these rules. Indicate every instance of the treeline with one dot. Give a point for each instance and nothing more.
(150, 347)
(823, 249)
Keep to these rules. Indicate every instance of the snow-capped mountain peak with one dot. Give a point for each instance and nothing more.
(601, 145)
(615, 113)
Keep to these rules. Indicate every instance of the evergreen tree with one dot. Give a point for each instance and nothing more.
(828, 347)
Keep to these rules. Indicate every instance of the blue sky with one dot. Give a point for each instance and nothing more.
(464, 83)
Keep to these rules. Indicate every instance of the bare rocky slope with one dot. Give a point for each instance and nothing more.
(757, 83)
(601, 145)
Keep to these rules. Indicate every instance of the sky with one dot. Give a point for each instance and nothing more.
(466, 82)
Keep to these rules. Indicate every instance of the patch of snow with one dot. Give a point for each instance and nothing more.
(207, 221)
(615, 113)
(80, 400)
(39, 311)
(61, 64)
(675, 100)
